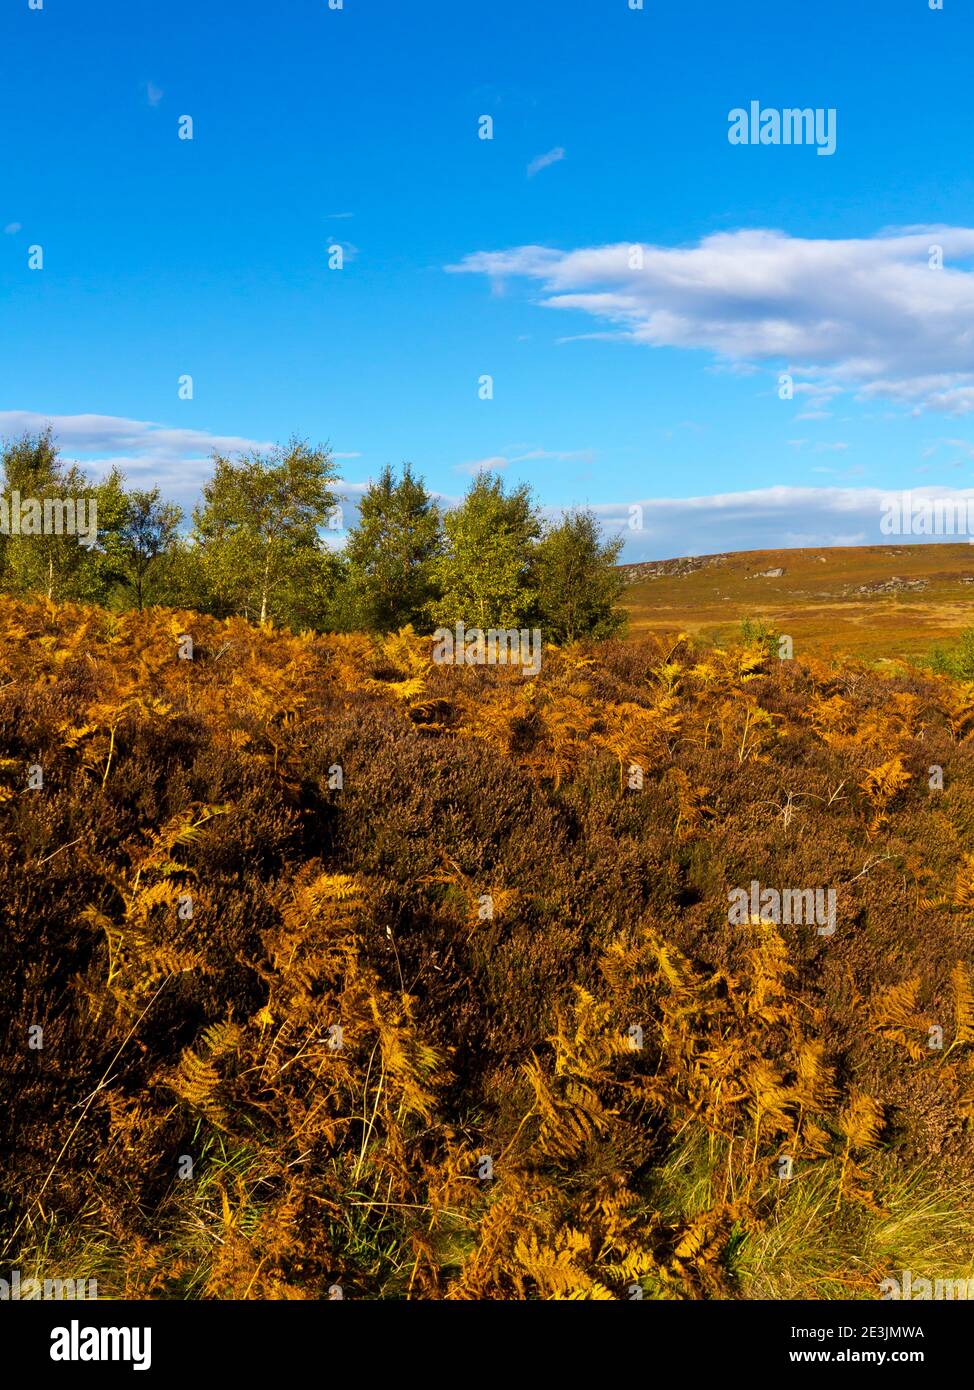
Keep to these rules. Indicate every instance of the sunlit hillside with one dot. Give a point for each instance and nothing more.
(876, 602)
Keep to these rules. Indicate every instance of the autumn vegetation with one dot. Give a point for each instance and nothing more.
(360, 974)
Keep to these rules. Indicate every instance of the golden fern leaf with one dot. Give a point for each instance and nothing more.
(770, 970)
(964, 885)
(634, 1265)
(594, 1291)
(882, 785)
(143, 900)
(861, 1123)
(334, 888)
(883, 782)
(896, 1004)
(705, 672)
(694, 1239)
(407, 652)
(751, 662)
(957, 699)
(556, 1271)
(408, 690)
(815, 1079)
(189, 829)
(275, 1052)
(221, 1038)
(672, 963)
(963, 1006)
(161, 961)
(195, 1082)
(701, 1245)
(771, 1100)
(833, 719)
(71, 735)
(963, 1087)
(567, 1126)
(692, 802)
(629, 969)
(816, 1140)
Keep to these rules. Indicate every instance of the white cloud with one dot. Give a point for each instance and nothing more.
(558, 455)
(762, 519)
(150, 455)
(496, 463)
(12, 227)
(863, 314)
(147, 447)
(153, 94)
(542, 161)
(177, 461)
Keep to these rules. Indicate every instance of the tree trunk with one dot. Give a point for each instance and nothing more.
(263, 595)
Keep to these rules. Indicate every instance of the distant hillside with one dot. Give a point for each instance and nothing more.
(877, 602)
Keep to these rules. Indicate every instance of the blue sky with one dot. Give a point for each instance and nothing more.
(508, 257)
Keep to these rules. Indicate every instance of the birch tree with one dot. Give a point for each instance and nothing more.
(259, 526)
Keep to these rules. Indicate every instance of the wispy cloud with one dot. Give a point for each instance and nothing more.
(775, 518)
(150, 454)
(153, 94)
(965, 446)
(542, 161)
(496, 463)
(12, 227)
(558, 455)
(178, 461)
(114, 434)
(866, 315)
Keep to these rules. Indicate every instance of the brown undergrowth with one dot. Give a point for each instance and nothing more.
(360, 976)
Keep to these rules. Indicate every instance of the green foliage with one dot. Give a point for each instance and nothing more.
(957, 661)
(484, 571)
(755, 632)
(257, 550)
(390, 554)
(142, 545)
(56, 565)
(258, 529)
(578, 584)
